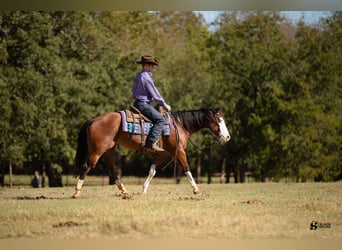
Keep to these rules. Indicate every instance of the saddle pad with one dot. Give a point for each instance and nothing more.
(135, 127)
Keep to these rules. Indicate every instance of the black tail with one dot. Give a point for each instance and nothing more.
(81, 157)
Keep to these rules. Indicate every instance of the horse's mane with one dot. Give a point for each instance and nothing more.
(193, 119)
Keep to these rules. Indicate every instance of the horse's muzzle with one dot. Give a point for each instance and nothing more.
(224, 139)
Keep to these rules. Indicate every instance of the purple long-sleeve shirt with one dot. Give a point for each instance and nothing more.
(145, 90)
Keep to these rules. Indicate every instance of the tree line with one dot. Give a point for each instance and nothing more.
(278, 84)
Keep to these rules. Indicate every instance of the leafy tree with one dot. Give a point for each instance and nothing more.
(252, 53)
(278, 83)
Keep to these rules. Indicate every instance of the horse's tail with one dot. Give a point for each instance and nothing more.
(81, 157)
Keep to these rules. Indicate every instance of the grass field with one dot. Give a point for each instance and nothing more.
(168, 211)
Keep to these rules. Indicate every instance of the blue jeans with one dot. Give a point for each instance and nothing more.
(156, 118)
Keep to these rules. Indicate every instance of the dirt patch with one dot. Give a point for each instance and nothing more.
(40, 197)
(253, 201)
(128, 196)
(69, 224)
(190, 199)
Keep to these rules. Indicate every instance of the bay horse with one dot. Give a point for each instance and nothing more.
(99, 136)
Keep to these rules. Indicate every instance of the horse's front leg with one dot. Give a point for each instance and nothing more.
(182, 160)
(149, 178)
(193, 184)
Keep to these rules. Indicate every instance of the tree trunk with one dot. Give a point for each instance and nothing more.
(10, 175)
(242, 173)
(209, 166)
(227, 170)
(2, 176)
(198, 170)
(223, 170)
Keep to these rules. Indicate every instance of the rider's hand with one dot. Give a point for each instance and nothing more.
(168, 107)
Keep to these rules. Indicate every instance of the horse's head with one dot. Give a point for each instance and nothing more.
(218, 125)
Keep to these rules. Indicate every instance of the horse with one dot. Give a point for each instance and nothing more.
(99, 136)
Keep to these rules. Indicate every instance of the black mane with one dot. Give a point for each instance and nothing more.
(193, 119)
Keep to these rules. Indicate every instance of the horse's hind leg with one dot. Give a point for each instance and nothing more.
(80, 181)
(149, 178)
(109, 158)
(157, 162)
(89, 165)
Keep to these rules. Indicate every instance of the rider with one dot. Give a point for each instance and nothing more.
(144, 91)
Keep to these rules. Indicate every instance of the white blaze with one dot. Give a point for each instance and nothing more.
(224, 133)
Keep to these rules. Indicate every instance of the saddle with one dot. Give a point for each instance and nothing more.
(133, 114)
(134, 122)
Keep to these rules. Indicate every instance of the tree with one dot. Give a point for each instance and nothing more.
(278, 83)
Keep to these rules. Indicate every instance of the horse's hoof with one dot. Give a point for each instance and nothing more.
(196, 190)
(126, 196)
(76, 195)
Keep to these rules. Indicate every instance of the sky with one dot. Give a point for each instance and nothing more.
(295, 16)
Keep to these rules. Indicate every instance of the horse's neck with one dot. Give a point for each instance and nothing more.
(193, 125)
(179, 125)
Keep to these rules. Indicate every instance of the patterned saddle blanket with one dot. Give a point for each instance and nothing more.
(136, 123)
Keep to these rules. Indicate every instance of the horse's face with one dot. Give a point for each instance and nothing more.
(218, 126)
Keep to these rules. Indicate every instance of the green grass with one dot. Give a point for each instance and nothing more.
(168, 211)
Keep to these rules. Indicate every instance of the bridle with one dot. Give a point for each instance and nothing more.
(216, 119)
(173, 159)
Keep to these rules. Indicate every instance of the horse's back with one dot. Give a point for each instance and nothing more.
(106, 131)
(105, 127)
(109, 118)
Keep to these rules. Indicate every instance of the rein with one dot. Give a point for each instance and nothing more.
(215, 144)
(175, 156)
